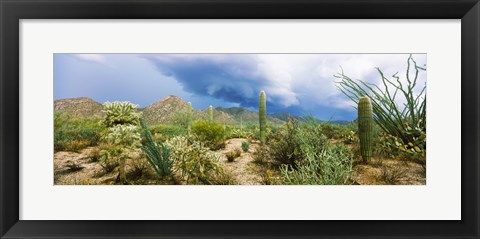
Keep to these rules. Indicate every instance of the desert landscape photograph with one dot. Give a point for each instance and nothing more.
(239, 119)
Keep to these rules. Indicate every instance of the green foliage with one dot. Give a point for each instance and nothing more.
(108, 156)
(365, 127)
(183, 119)
(391, 146)
(331, 165)
(168, 131)
(73, 133)
(245, 146)
(306, 156)
(350, 137)
(238, 133)
(120, 113)
(262, 111)
(157, 153)
(284, 145)
(194, 162)
(210, 114)
(211, 134)
(332, 131)
(232, 155)
(406, 122)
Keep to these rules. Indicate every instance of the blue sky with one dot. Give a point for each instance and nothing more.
(296, 83)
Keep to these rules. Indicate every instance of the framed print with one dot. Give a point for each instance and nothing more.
(239, 119)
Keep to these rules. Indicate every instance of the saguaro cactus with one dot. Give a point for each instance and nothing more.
(365, 127)
(210, 114)
(262, 111)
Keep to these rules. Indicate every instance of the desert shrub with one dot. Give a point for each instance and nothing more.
(95, 155)
(283, 145)
(157, 153)
(106, 159)
(72, 133)
(407, 122)
(307, 157)
(232, 155)
(211, 134)
(245, 146)
(391, 146)
(138, 168)
(332, 131)
(237, 133)
(350, 137)
(262, 155)
(168, 131)
(332, 165)
(194, 162)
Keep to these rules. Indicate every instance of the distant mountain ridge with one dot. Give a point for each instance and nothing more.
(82, 106)
(166, 110)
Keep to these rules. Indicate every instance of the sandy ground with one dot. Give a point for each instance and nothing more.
(243, 170)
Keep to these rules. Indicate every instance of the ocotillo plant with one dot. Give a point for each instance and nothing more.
(365, 127)
(262, 111)
(210, 114)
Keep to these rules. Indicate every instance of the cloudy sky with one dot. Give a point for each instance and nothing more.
(296, 83)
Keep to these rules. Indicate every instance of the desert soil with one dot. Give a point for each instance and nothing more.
(243, 169)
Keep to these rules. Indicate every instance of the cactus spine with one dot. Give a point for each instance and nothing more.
(262, 111)
(210, 114)
(365, 127)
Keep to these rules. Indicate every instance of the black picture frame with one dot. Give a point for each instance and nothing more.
(11, 11)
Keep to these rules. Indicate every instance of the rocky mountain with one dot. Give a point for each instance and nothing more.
(83, 107)
(285, 116)
(247, 116)
(164, 110)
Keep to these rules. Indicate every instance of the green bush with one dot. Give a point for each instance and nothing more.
(330, 166)
(211, 134)
(245, 146)
(194, 162)
(238, 133)
(73, 133)
(168, 131)
(283, 145)
(307, 157)
(332, 131)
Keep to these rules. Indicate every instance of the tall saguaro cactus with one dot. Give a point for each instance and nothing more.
(210, 114)
(262, 111)
(365, 127)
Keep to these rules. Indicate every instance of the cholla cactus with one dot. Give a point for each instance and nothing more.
(122, 122)
(365, 127)
(120, 113)
(262, 111)
(210, 113)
